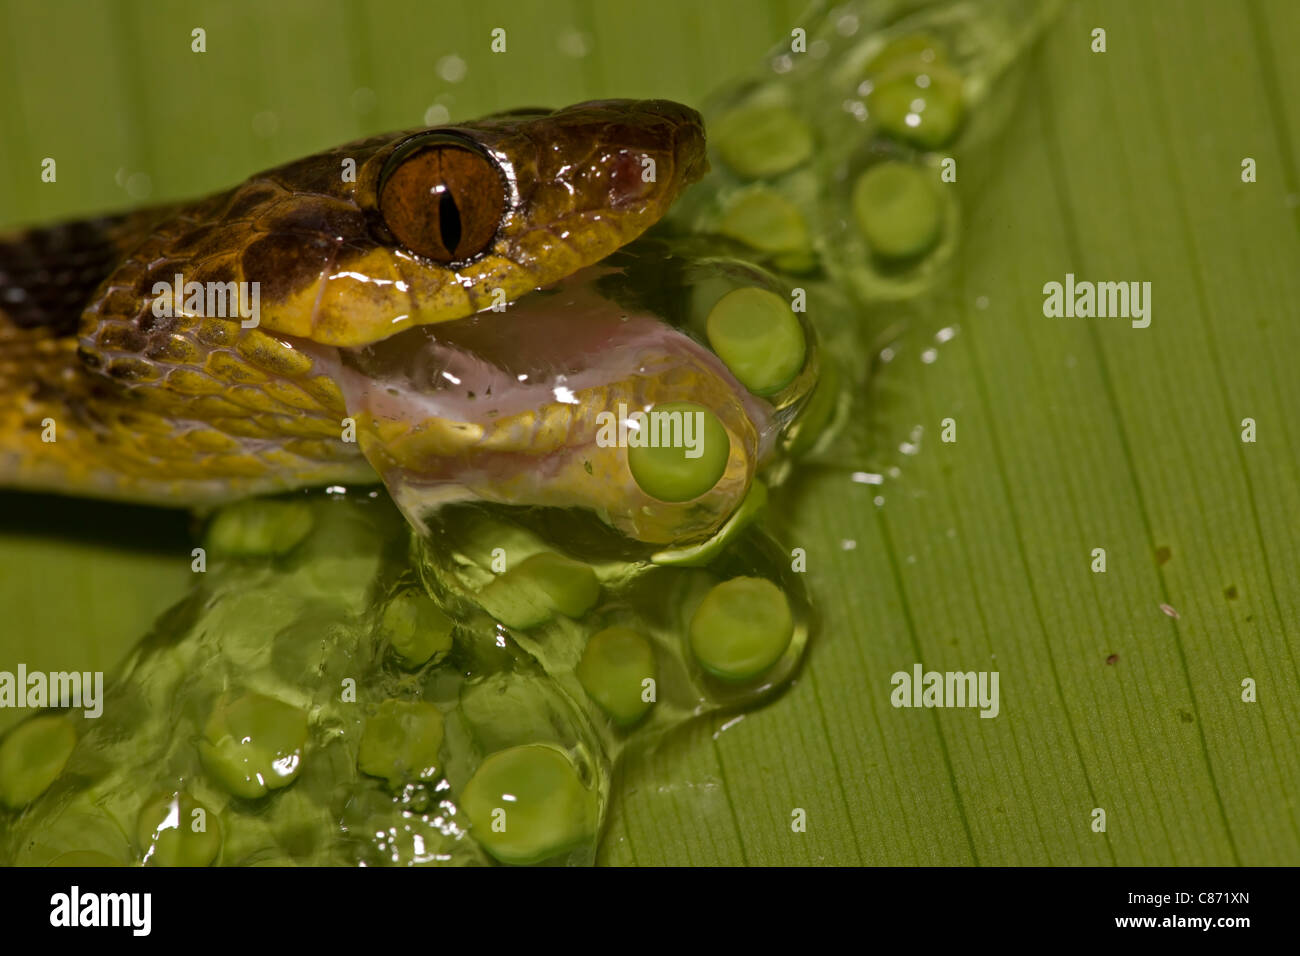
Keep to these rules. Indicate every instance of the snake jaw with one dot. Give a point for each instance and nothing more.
(510, 409)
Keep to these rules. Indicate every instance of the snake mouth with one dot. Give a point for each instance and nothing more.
(532, 406)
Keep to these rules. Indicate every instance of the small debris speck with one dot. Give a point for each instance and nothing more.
(1163, 554)
(1230, 592)
(1170, 611)
(1112, 659)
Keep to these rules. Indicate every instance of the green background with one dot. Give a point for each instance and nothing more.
(1072, 434)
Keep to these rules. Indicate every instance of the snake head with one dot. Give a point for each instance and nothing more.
(442, 223)
(449, 290)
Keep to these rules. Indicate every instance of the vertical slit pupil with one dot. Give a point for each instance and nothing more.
(448, 221)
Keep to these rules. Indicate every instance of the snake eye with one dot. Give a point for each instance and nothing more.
(442, 200)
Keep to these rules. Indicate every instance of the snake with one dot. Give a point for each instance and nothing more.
(125, 385)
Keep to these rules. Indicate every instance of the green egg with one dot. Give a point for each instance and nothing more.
(401, 742)
(253, 744)
(527, 804)
(676, 469)
(759, 338)
(417, 628)
(32, 756)
(763, 140)
(765, 220)
(538, 588)
(741, 628)
(920, 103)
(614, 667)
(570, 586)
(897, 209)
(174, 829)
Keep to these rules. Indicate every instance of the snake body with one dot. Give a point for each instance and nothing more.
(347, 248)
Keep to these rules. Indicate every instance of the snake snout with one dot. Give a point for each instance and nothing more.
(660, 126)
(692, 158)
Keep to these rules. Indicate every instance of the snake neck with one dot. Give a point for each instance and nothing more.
(111, 403)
